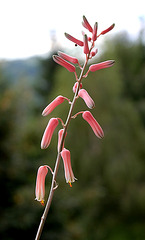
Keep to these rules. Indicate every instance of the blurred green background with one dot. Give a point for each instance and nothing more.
(108, 200)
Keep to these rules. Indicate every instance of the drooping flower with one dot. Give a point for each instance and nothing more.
(86, 24)
(60, 133)
(69, 176)
(57, 101)
(46, 139)
(93, 123)
(98, 66)
(40, 184)
(86, 97)
(75, 40)
(62, 62)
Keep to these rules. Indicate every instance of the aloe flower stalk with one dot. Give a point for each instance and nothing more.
(69, 176)
(93, 123)
(57, 101)
(46, 139)
(68, 62)
(86, 97)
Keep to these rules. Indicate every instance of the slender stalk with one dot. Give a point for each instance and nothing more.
(53, 184)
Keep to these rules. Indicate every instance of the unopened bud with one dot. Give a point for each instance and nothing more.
(86, 97)
(62, 62)
(76, 41)
(93, 123)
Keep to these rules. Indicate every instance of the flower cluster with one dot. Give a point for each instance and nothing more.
(70, 62)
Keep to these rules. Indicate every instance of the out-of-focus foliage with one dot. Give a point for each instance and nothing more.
(108, 200)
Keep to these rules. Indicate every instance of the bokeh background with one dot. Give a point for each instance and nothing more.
(108, 200)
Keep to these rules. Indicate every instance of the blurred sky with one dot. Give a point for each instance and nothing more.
(27, 26)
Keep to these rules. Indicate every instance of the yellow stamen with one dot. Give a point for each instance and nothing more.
(42, 202)
(70, 184)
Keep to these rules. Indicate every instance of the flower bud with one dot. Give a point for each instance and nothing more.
(86, 97)
(68, 58)
(60, 133)
(93, 123)
(62, 62)
(106, 64)
(58, 100)
(86, 46)
(94, 36)
(86, 24)
(76, 41)
(46, 139)
(75, 86)
(108, 29)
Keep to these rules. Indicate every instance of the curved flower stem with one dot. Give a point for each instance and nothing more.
(53, 184)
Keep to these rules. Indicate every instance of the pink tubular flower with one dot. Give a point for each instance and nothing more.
(60, 133)
(40, 184)
(71, 38)
(68, 58)
(94, 36)
(58, 100)
(69, 176)
(75, 86)
(106, 64)
(93, 123)
(86, 97)
(108, 29)
(62, 62)
(86, 46)
(46, 139)
(86, 24)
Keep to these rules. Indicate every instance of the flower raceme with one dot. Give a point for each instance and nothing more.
(93, 123)
(86, 97)
(40, 184)
(69, 176)
(57, 101)
(46, 139)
